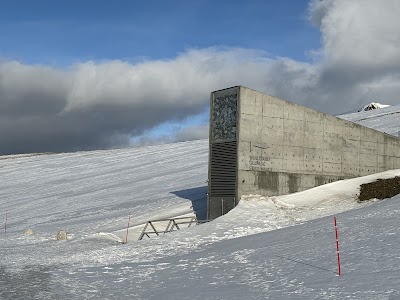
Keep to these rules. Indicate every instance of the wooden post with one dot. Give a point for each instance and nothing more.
(127, 228)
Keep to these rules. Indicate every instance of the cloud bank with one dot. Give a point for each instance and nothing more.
(98, 105)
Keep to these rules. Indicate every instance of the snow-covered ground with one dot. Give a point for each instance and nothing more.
(266, 248)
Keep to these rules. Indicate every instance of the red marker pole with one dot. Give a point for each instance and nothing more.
(127, 228)
(337, 245)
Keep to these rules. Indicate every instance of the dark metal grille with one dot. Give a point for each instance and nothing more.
(223, 169)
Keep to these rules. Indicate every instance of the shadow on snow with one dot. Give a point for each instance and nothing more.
(198, 196)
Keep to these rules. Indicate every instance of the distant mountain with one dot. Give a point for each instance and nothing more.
(373, 105)
(377, 116)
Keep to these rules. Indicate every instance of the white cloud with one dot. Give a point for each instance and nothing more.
(100, 105)
(93, 105)
(360, 48)
(360, 33)
(184, 80)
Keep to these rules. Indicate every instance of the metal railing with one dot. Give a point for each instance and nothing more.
(173, 224)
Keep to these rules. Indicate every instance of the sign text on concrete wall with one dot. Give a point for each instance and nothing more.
(258, 163)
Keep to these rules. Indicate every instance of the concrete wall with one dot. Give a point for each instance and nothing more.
(285, 148)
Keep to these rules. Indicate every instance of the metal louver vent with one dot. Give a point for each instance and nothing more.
(223, 169)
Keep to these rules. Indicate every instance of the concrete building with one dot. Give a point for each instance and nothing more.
(261, 144)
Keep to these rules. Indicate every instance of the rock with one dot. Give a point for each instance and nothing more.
(380, 189)
(28, 232)
(61, 235)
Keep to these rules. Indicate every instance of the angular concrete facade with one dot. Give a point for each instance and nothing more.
(261, 144)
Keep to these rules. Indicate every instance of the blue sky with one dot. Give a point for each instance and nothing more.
(82, 75)
(65, 32)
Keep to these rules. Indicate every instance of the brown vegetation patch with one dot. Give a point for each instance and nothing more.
(380, 189)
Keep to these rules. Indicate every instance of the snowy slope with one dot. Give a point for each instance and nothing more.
(266, 248)
(386, 119)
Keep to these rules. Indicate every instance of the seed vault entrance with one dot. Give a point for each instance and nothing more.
(222, 174)
(260, 144)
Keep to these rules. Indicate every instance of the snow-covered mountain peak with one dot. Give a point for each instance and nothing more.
(373, 105)
(385, 119)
